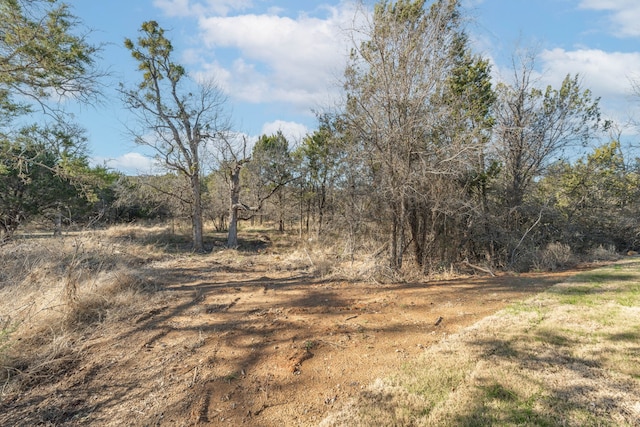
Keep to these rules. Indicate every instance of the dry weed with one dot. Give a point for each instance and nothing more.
(602, 253)
(53, 289)
(318, 261)
(553, 257)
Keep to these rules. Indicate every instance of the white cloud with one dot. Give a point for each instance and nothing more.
(294, 132)
(281, 59)
(607, 74)
(215, 72)
(174, 7)
(625, 15)
(129, 163)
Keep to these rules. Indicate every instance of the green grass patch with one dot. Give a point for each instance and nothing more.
(521, 307)
(605, 275)
(629, 296)
(569, 356)
(497, 392)
(588, 295)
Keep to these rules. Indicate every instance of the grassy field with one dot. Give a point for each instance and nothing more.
(567, 357)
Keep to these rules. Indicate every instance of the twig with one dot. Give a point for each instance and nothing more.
(309, 256)
(333, 344)
(195, 374)
(379, 251)
(9, 369)
(513, 253)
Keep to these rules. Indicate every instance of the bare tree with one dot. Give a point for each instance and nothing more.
(177, 117)
(396, 82)
(232, 159)
(533, 129)
(534, 126)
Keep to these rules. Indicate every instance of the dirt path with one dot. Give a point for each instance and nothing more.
(256, 346)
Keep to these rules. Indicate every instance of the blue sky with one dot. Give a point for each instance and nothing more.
(279, 60)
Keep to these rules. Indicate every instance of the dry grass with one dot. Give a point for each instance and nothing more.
(516, 368)
(53, 289)
(566, 357)
(60, 298)
(602, 253)
(553, 257)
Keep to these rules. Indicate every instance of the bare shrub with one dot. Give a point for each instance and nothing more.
(323, 268)
(41, 358)
(368, 262)
(602, 253)
(553, 257)
(360, 268)
(311, 258)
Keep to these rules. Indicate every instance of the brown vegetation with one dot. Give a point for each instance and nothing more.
(117, 327)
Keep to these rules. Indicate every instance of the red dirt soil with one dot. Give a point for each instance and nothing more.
(256, 347)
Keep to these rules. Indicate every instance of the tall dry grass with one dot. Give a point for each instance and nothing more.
(53, 289)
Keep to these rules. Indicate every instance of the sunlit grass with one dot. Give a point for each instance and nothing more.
(568, 356)
(53, 290)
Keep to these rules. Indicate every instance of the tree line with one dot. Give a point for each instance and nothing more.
(428, 162)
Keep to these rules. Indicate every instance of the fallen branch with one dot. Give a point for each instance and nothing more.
(476, 267)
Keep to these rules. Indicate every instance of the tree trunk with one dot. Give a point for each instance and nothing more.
(397, 237)
(57, 231)
(234, 190)
(232, 238)
(418, 228)
(300, 214)
(308, 217)
(196, 214)
(281, 214)
(321, 207)
(393, 247)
